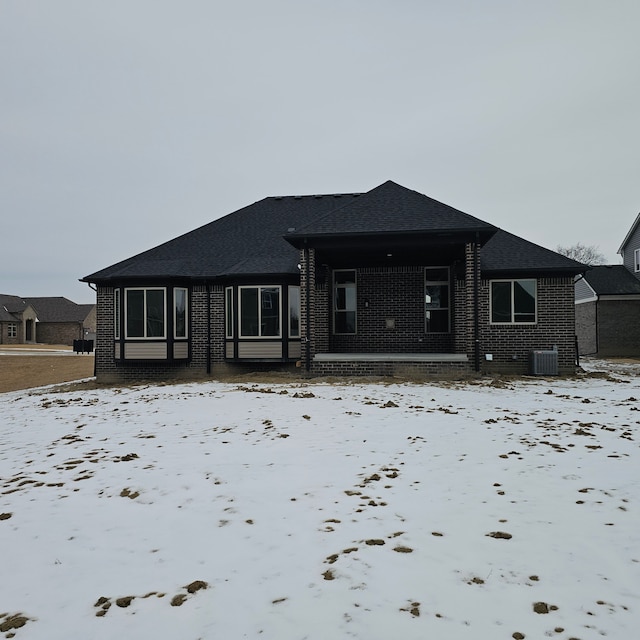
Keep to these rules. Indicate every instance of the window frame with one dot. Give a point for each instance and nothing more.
(175, 314)
(513, 321)
(446, 283)
(229, 313)
(335, 287)
(12, 330)
(145, 317)
(636, 260)
(117, 313)
(260, 288)
(295, 288)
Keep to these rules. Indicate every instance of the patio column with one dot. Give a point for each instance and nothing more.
(472, 281)
(307, 305)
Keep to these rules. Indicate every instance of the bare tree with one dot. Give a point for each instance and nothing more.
(590, 255)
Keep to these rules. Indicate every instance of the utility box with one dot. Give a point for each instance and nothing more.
(543, 363)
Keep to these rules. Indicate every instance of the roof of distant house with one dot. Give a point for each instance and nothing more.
(612, 280)
(59, 309)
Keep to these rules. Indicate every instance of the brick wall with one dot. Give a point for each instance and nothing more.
(390, 315)
(59, 332)
(618, 327)
(586, 314)
(511, 345)
(397, 368)
(201, 302)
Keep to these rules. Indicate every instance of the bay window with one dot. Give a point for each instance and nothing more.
(180, 312)
(259, 312)
(145, 313)
(294, 312)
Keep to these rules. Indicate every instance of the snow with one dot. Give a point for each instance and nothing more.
(317, 510)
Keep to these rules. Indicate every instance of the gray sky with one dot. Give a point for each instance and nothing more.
(126, 123)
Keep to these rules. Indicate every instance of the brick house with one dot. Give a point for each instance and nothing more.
(46, 320)
(61, 321)
(384, 282)
(17, 320)
(608, 303)
(607, 311)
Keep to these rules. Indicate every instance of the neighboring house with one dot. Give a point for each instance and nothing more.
(61, 321)
(607, 312)
(630, 248)
(17, 320)
(45, 320)
(384, 282)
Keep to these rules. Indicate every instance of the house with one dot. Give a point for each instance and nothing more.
(46, 320)
(17, 320)
(61, 321)
(384, 282)
(630, 248)
(607, 311)
(608, 303)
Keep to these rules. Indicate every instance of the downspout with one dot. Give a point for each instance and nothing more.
(208, 329)
(308, 306)
(476, 304)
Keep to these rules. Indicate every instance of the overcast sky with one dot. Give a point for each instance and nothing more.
(126, 123)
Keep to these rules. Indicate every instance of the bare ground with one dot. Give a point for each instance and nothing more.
(27, 371)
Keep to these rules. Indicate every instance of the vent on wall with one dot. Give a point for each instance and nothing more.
(544, 363)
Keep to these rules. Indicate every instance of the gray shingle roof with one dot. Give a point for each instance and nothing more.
(507, 253)
(612, 280)
(11, 307)
(251, 241)
(58, 309)
(248, 241)
(391, 208)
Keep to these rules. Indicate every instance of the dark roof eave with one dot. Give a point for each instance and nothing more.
(200, 279)
(547, 272)
(456, 234)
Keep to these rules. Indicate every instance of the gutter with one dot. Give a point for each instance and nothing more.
(208, 328)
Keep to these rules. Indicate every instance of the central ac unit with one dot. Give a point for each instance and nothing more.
(544, 363)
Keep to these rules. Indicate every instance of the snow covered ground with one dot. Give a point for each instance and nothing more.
(480, 510)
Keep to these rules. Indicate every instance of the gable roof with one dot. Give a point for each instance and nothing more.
(259, 239)
(630, 233)
(612, 280)
(11, 307)
(59, 309)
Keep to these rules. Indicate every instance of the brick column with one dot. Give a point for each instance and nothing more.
(307, 305)
(472, 280)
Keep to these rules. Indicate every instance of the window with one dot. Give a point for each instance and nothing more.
(294, 312)
(116, 313)
(636, 260)
(259, 312)
(513, 301)
(228, 312)
(145, 313)
(436, 299)
(344, 301)
(180, 310)
(12, 330)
